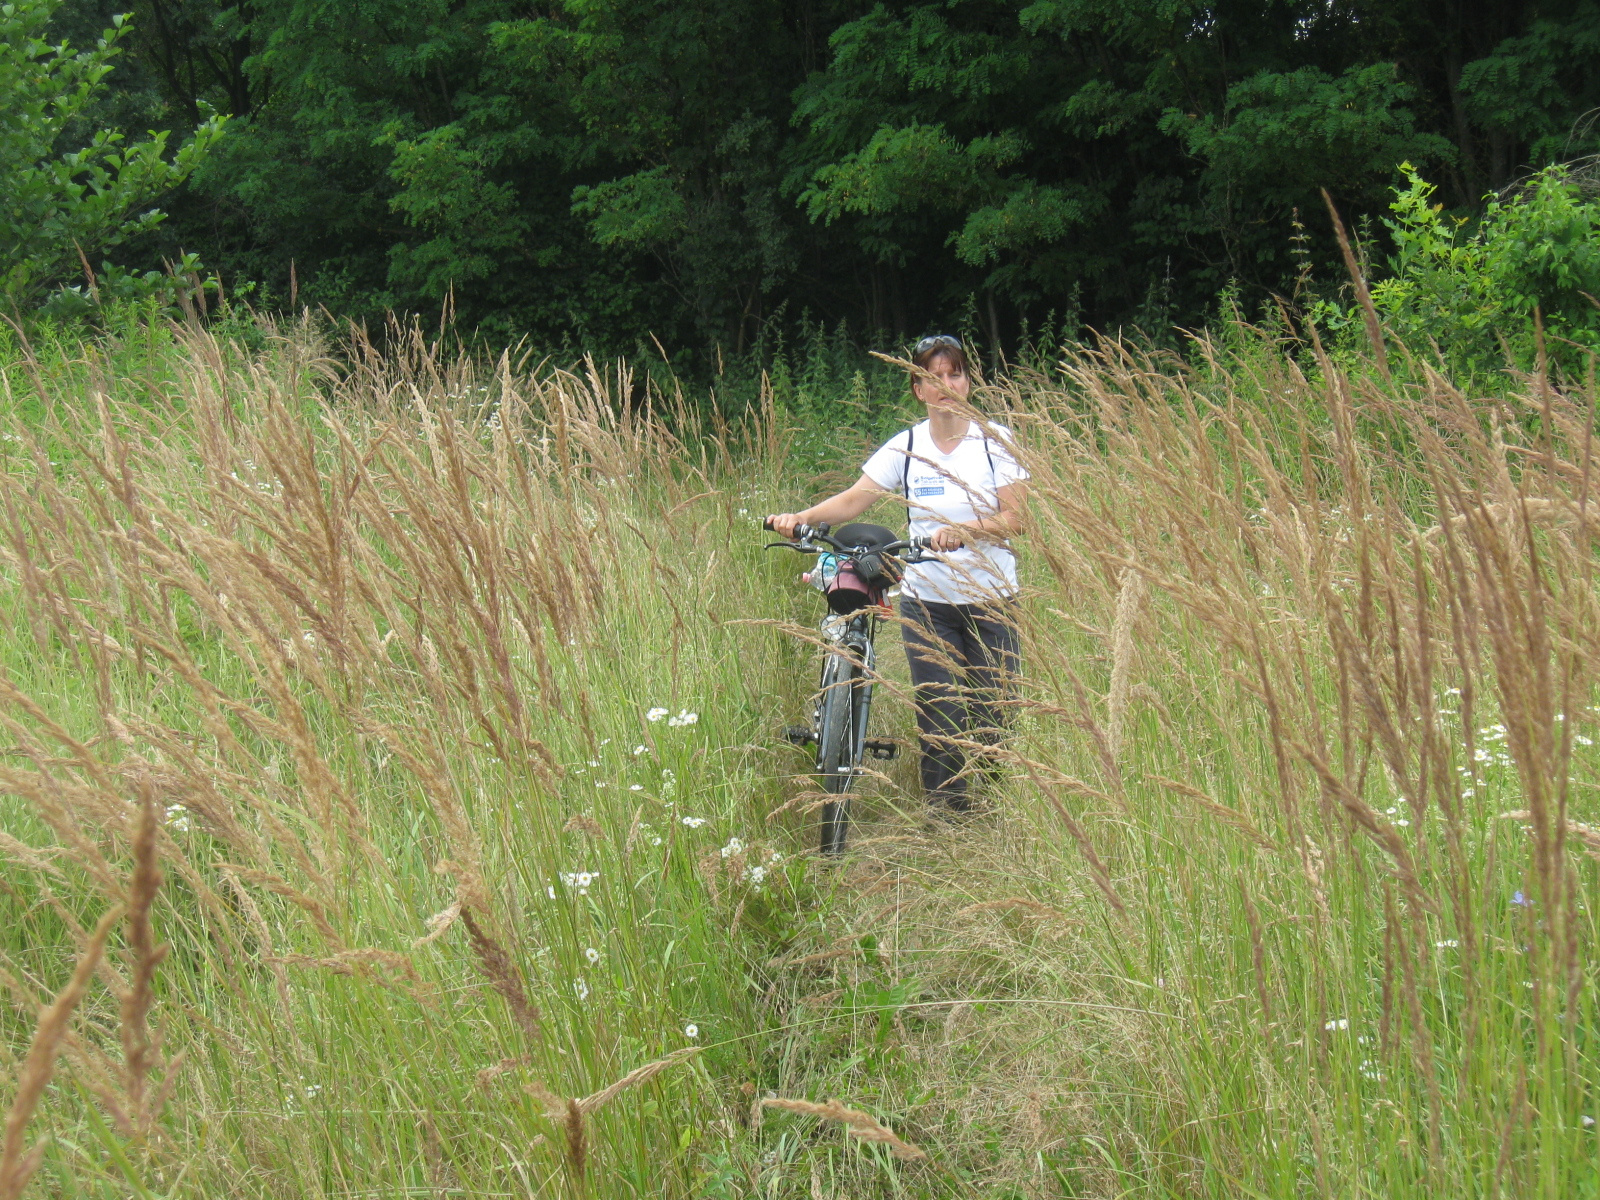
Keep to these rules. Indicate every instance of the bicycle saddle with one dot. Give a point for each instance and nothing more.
(860, 534)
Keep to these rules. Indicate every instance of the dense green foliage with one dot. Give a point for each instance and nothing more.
(1473, 290)
(68, 191)
(597, 172)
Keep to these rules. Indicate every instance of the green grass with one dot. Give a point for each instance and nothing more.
(380, 646)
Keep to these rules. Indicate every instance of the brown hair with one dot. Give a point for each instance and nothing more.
(943, 348)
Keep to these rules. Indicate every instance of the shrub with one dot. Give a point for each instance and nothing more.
(1473, 288)
(62, 205)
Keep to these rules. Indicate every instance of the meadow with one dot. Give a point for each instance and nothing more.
(396, 804)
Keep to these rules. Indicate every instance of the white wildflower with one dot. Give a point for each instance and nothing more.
(638, 750)
(581, 880)
(693, 822)
(1447, 944)
(691, 1031)
(582, 988)
(592, 955)
(684, 717)
(1337, 1023)
(734, 846)
(655, 714)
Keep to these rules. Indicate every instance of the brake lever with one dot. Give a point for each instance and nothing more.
(915, 551)
(790, 546)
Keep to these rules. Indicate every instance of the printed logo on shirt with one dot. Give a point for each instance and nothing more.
(928, 491)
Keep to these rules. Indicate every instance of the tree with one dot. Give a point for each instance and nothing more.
(598, 170)
(684, 111)
(1020, 148)
(61, 205)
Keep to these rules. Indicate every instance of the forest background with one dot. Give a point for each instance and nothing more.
(592, 176)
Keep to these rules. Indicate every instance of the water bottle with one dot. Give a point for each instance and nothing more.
(823, 574)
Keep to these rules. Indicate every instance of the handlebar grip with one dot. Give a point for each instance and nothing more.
(766, 524)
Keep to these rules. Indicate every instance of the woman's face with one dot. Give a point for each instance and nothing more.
(944, 380)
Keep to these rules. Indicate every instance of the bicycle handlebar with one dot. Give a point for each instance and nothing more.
(806, 535)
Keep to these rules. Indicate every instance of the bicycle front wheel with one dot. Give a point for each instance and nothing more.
(837, 745)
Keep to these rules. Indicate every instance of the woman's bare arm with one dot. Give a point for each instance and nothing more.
(835, 510)
(997, 528)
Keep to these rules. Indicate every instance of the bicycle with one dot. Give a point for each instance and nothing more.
(855, 577)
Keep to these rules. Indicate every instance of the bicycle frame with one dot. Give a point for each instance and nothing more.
(844, 694)
(848, 666)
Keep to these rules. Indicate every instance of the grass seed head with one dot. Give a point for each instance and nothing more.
(858, 1124)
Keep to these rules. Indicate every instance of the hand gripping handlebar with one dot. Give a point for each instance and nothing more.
(912, 550)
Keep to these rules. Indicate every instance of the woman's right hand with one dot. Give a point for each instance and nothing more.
(784, 524)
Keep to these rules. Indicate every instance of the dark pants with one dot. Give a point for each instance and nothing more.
(964, 661)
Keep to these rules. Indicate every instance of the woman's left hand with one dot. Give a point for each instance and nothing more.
(947, 538)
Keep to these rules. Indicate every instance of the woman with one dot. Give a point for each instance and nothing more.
(964, 490)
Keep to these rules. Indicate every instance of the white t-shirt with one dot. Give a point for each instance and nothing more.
(955, 488)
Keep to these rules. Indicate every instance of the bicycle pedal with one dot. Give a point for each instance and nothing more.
(799, 735)
(880, 748)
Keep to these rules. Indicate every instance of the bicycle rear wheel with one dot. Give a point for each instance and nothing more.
(837, 744)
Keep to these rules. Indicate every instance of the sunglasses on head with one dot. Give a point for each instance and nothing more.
(937, 339)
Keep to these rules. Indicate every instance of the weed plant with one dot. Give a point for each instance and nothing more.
(394, 803)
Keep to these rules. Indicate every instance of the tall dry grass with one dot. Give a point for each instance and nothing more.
(335, 680)
(1306, 744)
(307, 650)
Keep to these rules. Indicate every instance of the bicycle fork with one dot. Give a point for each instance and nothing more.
(839, 725)
(857, 651)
